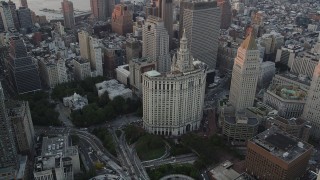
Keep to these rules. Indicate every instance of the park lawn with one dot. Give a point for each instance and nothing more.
(150, 147)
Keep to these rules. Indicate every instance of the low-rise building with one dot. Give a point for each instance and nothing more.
(58, 160)
(292, 79)
(297, 127)
(224, 171)
(289, 101)
(239, 127)
(274, 154)
(123, 74)
(75, 102)
(114, 89)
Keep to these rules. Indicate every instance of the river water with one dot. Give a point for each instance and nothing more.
(37, 5)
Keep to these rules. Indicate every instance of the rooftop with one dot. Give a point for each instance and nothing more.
(113, 87)
(291, 121)
(224, 171)
(251, 121)
(281, 144)
(288, 92)
(153, 73)
(54, 146)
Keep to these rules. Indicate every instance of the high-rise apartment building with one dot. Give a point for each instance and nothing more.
(121, 21)
(82, 69)
(201, 21)
(173, 102)
(20, 116)
(24, 3)
(90, 50)
(23, 72)
(245, 75)
(133, 49)
(311, 110)
(96, 56)
(6, 15)
(84, 44)
(226, 14)
(102, 9)
(8, 150)
(25, 19)
(156, 43)
(68, 14)
(274, 154)
(137, 67)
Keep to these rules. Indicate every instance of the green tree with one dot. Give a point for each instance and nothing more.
(118, 104)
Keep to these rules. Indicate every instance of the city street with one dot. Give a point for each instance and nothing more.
(87, 142)
(64, 114)
(182, 159)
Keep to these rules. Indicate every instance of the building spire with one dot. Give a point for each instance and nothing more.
(250, 42)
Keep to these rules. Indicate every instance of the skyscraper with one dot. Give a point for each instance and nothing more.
(311, 110)
(23, 73)
(156, 43)
(25, 19)
(24, 3)
(201, 21)
(121, 21)
(102, 9)
(1, 24)
(245, 74)
(173, 102)
(8, 150)
(226, 14)
(14, 14)
(166, 14)
(20, 117)
(6, 15)
(68, 14)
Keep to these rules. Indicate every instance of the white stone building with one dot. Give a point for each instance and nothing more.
(173, 101)
(245, 75)
(114, 89)
(123, 74)
(58, 160)
(311, 110)
(156, 43)
(288, 100)
(75, 102)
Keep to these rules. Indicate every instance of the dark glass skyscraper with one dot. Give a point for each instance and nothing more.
(25, 19)
(23, 73)
(8, 152)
